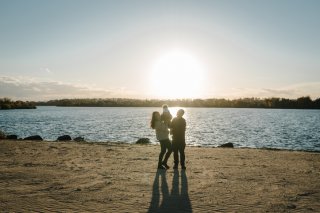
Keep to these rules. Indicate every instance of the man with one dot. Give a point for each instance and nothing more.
(178, 129)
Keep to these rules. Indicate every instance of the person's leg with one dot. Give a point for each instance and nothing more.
(162, 152)
(182, 155)
(169, 151)
(175, 155)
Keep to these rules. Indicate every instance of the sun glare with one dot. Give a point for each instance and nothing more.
(177, 74)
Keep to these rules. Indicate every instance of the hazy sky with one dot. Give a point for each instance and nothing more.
(58, 49)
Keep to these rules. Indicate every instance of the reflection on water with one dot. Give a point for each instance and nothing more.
(273, 128)
(175, 201)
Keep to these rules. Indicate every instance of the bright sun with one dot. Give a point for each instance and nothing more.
(177, 74)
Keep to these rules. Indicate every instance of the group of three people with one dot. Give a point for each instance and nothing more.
(163, 125)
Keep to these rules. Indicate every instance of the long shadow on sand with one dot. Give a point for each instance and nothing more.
(177, 201)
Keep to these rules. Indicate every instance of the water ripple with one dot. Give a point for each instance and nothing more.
(271, 128)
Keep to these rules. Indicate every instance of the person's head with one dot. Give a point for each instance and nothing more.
(165, 106)
(180, 113)
(155, 117)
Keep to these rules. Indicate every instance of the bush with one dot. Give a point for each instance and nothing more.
(2, 135)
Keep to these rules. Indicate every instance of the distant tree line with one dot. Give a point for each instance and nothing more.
(277, 103)
(7, 103)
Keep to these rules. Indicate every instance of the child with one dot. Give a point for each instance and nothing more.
(166, 115)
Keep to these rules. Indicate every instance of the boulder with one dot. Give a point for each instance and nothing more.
(79, 139)
(64, 138)
(143, 141)
(34, 138)
(12, 137)
(226, 145)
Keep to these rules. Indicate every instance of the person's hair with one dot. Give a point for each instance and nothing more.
(181, 112)
(165, 106)
(153, 119)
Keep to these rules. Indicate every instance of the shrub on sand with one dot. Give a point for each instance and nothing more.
(2, 135)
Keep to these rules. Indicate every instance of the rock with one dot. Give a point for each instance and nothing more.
(12, 137)
(226, 145)
(64, 138)
(291, 206)
(79, 139)
(143, 141)
(34, 138)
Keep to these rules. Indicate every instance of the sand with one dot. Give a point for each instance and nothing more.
(113, 177)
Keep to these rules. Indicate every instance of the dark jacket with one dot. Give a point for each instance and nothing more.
(178, 129)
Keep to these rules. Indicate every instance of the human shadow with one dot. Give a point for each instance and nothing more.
(176, 201)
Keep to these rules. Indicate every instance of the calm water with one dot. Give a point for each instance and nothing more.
(272, 128)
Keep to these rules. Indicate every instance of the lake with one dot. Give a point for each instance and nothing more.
(256, 128)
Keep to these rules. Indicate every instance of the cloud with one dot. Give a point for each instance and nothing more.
(26, 88)
(23, 88)
(45, 70)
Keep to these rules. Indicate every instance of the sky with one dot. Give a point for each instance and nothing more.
(159, 49)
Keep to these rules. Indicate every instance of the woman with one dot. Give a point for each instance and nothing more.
(162, 134)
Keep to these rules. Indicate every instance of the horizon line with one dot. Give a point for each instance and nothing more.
(169, 99)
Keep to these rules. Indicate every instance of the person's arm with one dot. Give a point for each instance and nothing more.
(172, 126)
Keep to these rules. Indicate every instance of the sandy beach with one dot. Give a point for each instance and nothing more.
(114, 177)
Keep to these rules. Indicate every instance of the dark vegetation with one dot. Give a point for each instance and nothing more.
(6, 103)
(277, 103)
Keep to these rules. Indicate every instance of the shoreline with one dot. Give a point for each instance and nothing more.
(214, 107)
(121, 177)
(157, 144)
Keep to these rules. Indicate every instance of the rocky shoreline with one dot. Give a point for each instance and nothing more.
(39, 138)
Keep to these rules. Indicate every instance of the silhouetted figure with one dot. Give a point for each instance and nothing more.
(166, 115)
(184, 195)
(155, 197)
(178, 129)
(162, 134)
(166, 203)
(177, 201)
